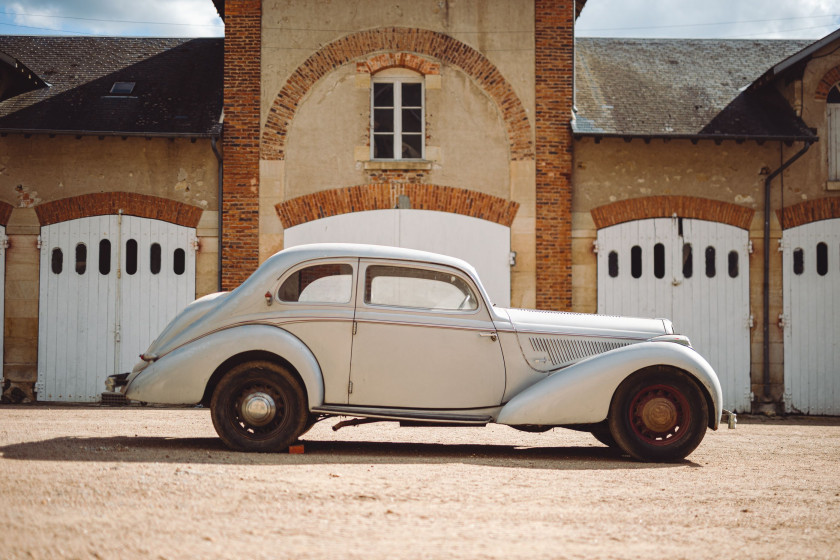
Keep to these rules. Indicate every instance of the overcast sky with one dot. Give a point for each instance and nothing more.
(759, 19)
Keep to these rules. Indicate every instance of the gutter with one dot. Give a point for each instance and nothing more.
(693, 137)
(219, 202)
(117, 133)
(766, 279)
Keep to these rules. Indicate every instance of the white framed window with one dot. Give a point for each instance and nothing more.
(397, 117)
(833, 126)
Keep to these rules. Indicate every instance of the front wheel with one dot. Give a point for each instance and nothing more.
(259, 406)
(658, 415)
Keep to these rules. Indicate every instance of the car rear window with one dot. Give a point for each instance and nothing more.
(322, 283)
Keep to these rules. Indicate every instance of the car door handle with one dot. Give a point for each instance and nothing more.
(491, 335)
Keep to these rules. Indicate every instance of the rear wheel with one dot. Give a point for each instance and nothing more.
(658, 415)
(259, 406)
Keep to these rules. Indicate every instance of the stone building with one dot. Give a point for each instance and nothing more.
(109, 181)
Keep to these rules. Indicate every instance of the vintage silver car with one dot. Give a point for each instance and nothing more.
(383, 333)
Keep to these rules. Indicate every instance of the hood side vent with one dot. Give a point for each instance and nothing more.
(567, 351)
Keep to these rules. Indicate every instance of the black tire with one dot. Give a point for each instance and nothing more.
(604, 436)
(658, 415)
(259, 406)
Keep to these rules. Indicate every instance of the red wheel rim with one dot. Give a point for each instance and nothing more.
(659, 415)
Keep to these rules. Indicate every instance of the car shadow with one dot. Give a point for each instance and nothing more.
(212, 451)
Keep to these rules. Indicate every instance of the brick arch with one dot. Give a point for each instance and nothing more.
(809, 211)
(384, 196)
(132, 204)
(384, 61)
(828, 81)
(421, 41)
(5, 213)
(667, 206)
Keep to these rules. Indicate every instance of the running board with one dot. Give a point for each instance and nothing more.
(403, 414)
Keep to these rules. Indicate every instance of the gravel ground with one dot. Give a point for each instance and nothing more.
(89, 482)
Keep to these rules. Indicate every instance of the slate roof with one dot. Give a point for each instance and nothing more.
(178, 89)
(692, 88)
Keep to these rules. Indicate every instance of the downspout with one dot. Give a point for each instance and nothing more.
(766, 281)
(219, 181)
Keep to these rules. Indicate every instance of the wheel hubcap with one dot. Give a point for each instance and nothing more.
(659, 414)
(258, 409)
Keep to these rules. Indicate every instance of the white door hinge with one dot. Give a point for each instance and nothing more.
(784, 320)
(783, 244)
(750, 321)
(512, 258)
(196, 245)
(750, 247)
(38, 244)
(595, 247)
(117, 334)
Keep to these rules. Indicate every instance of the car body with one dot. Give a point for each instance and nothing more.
(385, 333)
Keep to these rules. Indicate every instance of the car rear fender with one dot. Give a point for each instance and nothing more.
(181, 376)
(581, 393)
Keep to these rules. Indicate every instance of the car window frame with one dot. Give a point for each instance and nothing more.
(351, 302)
(361, 275)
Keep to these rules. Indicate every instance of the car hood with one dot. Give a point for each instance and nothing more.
(583, 324)
(552, 340)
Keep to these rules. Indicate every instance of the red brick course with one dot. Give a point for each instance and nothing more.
(107, 203)
(554, 55)
(406, 40)
(398, 60)
(5, 213)
(668, 206)
(828, 81)
(384, 196)
(240, 199)
(809, 211)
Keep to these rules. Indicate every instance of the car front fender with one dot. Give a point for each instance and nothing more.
(181, 376)
(581, 393)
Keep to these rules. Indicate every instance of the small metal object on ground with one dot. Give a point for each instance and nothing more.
(113, 399)
(296, 449)
(730, 417)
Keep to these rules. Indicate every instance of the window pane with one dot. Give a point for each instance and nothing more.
(710, 262)
(104, 257)
(131, 256)
(81, 258)
(612, 264)
(179, 261)
(412, 146)
(798, 261)
(412, 95)
(323, 283)
(383, 120)
(383, 95)
(733, 264)
(57, 261)
(688, 261)
(383, 146)
(414, 287)
(636, 262)
(412, 120)
(822, 258)
(659, 260)
(154, 258)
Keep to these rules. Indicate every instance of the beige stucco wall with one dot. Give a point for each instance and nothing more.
(41, 169)
(466, 138)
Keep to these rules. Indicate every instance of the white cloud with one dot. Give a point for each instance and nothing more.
(185, 18)
(758, 19)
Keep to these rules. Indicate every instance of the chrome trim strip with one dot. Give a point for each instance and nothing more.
(403, 414)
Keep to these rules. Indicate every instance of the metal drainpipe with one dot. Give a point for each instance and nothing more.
(219, 180)
(766, 282)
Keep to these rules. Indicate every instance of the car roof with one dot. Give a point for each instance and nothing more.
(312, 251)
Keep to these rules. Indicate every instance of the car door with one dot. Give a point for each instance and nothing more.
(424, 339)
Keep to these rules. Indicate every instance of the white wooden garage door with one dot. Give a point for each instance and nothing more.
(811, 284)
(695, 273)
(483, 244)
(109, 284)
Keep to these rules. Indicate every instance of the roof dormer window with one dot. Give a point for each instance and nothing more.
(122, 88)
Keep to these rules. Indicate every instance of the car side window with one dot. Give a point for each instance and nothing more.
(404, 286)
(321, 283)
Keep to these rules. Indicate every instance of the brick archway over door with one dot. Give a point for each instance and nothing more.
(421, 41)
(668, 206)
(384, 196)
(131, 204)
(827, 82)
(808, 212)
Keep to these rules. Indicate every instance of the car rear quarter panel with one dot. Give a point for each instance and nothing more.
(181, 376)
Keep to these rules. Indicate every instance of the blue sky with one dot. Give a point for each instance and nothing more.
(756, 19)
